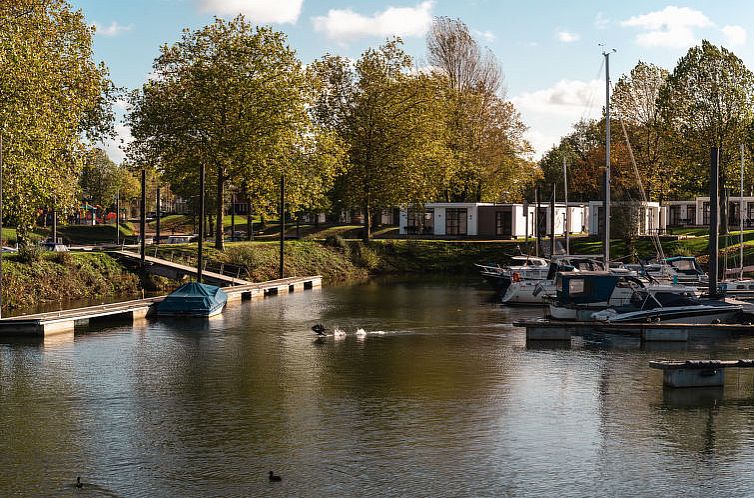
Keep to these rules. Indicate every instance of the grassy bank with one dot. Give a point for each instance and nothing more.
(58, 277)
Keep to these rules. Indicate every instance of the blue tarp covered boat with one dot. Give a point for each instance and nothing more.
(193, 299)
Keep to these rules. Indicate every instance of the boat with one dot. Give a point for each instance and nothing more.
(669, 307)
(521, 268)
(193, 299)
(538, 291)
(541, 292)
(578, 295)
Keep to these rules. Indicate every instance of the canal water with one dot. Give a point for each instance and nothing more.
(441, 397)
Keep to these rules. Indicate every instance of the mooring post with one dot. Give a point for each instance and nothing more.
(143, 218)
(536, 220)
(157, 234)
(282, 225)
(552, 221)
(201, 225)
(714, 209)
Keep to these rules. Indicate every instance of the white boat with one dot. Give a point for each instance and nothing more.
(521, 268)
(669, 307)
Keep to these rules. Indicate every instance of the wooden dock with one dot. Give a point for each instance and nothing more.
(56, 322)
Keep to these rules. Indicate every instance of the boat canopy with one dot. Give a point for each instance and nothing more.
(193, 299)
(687, 265)
(590, 287)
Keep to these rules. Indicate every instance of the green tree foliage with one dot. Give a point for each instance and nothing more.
(52, 98)
(100, 178)
(708, 102)
(392, 120)
(233, 98)
(634, 101)
(490, 160)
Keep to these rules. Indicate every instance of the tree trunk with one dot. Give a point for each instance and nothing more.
(367, 223)
(220, 228)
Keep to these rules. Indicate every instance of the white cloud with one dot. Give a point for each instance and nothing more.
(487, 36)
(345, 25)
(734, 35)
(260, 11)
(114, 148)
(600, 21)
(567, 37)
(671, 27)
(551, 112)
(113, 30)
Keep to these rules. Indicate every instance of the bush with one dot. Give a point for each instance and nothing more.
(62, 258)
(338, 242)
(29, 254)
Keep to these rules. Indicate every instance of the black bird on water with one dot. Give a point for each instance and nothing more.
(319, 329)
(79, 484)
(275, 478)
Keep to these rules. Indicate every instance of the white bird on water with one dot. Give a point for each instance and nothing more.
(361, 332)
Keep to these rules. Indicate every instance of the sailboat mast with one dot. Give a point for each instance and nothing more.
(567, 226)
(741, 216)
(607, 158)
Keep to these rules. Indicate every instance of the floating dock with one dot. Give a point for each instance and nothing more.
(696, 373)
(56, 322)
(559, 330)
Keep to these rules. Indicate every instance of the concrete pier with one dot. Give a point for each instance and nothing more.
(696, 373)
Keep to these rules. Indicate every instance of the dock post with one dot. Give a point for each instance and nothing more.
(693, 377)
(714, 209)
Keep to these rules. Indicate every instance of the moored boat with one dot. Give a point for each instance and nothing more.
(193, 299)
(669, 307)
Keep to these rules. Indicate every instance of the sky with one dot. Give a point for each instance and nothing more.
(550, 51)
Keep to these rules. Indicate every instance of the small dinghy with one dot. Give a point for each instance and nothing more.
(193, 299)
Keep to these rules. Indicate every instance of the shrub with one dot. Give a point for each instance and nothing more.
(29, 254)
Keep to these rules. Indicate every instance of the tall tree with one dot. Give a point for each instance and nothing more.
(391, 120)
(708, 102)
(54, 100)
(634, 101)
(490, 158)
(232, 97)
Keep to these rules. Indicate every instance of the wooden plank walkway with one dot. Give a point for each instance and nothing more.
(55, 322)
(175, 271)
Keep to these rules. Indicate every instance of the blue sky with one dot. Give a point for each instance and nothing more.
(548, 49)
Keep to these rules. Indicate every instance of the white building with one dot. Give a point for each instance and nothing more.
(696, 212)
(652, 217)
(489, 220)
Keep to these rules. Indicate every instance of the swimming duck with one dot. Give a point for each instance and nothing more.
(275, 478)
(79, 484)
(318, 329)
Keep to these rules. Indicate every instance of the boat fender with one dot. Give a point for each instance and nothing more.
(516, 277)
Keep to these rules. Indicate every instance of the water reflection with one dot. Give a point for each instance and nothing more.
(440, 396)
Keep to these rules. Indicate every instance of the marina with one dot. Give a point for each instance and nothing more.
(442, 390)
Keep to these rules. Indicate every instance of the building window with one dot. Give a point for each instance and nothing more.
(503, 225)
(705, 213)
(691, 214)
(455, 221)
(420, 221)
(675, 215)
